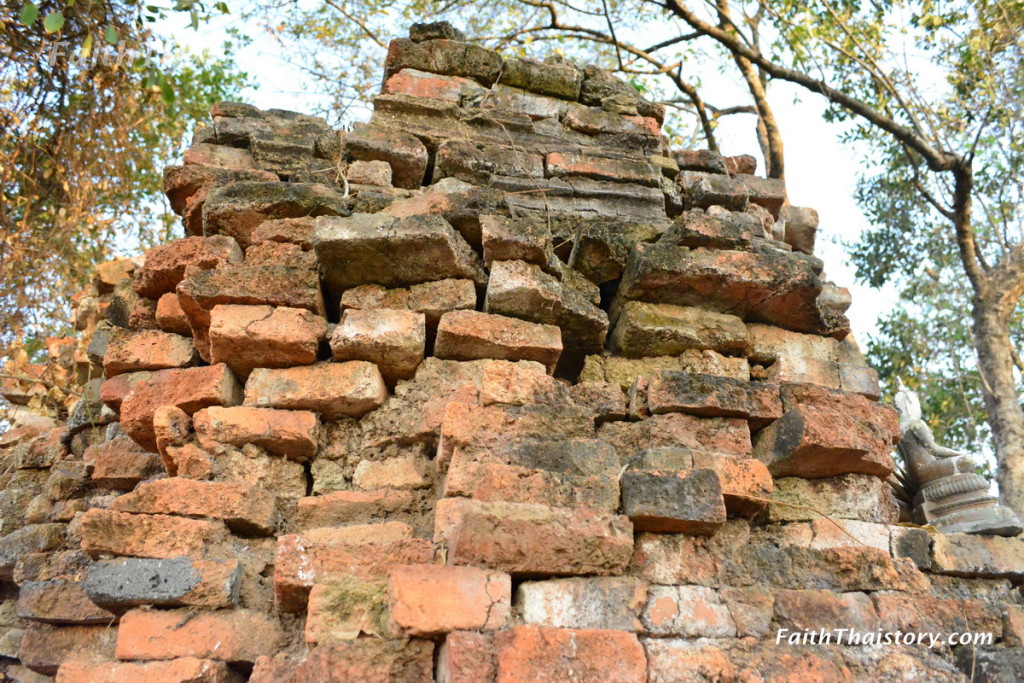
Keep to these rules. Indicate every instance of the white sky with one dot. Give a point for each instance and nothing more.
(820, 170)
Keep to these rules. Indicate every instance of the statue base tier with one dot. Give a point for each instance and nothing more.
(962, 504)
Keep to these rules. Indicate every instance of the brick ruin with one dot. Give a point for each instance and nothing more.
(494, 387)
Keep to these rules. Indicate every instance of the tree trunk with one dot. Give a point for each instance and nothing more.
(999, 389)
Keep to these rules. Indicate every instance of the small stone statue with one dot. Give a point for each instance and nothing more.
(948, 493)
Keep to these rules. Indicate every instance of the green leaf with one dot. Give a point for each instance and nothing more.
(110, 35)
(222, 7)
(29, 13)
(167, 92)
(87, 46)
(194, 19)
(53, 22)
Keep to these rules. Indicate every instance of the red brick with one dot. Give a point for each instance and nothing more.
(466, 657)
(166, 264)
(289, 433)
(537, 653)
(367, 660)
(335, 390)
(811, 610)
(718, 435)
(190, 389)
(243, 509)
(394, 340)
(428, 600)
(491, 481)
(485, 427)
(59, 602)
(536, 539)
(377, 173)
(471, 335)
(227, 635)
(280, 254)
(44, 648)
(407, 154)
(146, 350)
(160, 536)
(109, 273)
(220, 156)
(601, 168)
(352, 507)
(420, 84)
(249, 285)
(170, 316)
(322, 555)
(121, 464)
(115, 389)
(288, 230)
(183, 670)
(248, 337)
(674, 660)
(189, 461)
(746, 482)
(816, 442)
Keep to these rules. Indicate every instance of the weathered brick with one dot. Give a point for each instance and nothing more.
(293, 434)
(482, 428)
(601, 168)
(59, 602)
(811, 610)
(686, 502)
(321, 555)
(540, 653)
(404, 152)
(422, 84)
(393, 252)
(690, 611)
(470, 335)
(243, 509)
(226, 635)
(990, 557)
(344, 608)
(181, 670)
(849, 496)
(602, 603)
(166, 264)
(237, 208)
(368, 660)
(466, 657)
(32, 538)
(146, 350)
(710, 396)
(394, 340)
(444, 56)
(540, 539)
(518, 101)
(352, 507)
(170, 316)
(189, 389)
(158, 536)
(427, 600)
(815, 442)
(121, 463)
(515, 239)
(402, 472)
(248, 337)
(335, 390)
(646, 329)
(171, 582)
(718, 435)
(44, 648)
(492, 482)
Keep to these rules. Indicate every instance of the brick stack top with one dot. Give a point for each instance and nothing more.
(495, 387)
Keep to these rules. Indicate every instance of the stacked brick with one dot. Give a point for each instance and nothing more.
(495, 387)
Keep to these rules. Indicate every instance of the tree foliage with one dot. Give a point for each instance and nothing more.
(90, 112)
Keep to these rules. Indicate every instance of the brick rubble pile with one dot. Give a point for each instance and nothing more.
(494, 387)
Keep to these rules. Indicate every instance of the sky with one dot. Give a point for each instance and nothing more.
(820, 170)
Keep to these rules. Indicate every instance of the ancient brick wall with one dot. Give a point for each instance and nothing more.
(494, 387)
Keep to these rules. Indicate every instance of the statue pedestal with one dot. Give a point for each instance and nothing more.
(961, 503)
